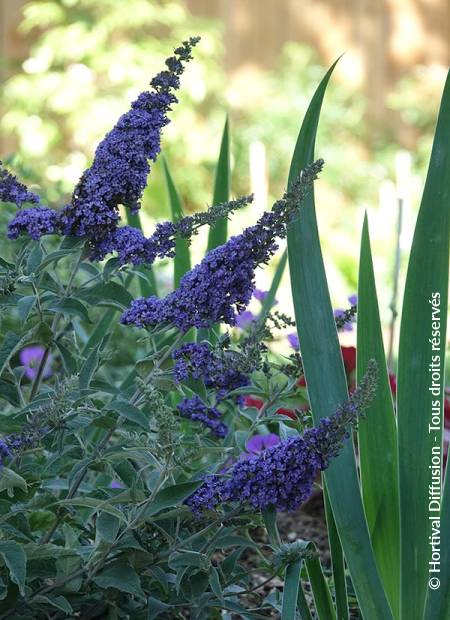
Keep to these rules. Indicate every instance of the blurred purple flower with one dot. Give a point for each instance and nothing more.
(347, 326)
(353, 299)
(244, 318)
(31, 357)
(258, 443)
(293, 341)
(116, 484)
(261, 296)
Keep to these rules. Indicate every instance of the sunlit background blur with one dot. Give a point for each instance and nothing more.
(69, 68)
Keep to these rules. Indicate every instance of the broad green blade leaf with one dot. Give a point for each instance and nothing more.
(322, 597)
(290, 592)
(218, 233)
(302, 605)
(438, 599)
(148, 284)
(422, 342)
(337, 562)
(182, 260)
(325, 375)
(378, 436)
(270, 298)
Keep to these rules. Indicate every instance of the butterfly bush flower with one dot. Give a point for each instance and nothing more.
(12, 190)
(283, 475)
(210, 417)
(258, 443)
(30, 358)
(35, 222)
(221, 286)
(216, 370)
(118, 174)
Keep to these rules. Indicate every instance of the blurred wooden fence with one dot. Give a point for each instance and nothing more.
(383, 38)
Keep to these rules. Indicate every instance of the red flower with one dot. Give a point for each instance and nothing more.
(349, 357)
(287, 412)
(393, 383)
(301, 382)
(252, 401)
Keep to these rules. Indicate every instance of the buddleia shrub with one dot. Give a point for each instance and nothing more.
(134, 467)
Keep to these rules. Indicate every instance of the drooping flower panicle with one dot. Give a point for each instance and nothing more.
(283, 475)
(221, 285)
(12, 190)
(118, 174)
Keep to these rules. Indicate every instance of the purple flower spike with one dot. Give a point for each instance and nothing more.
(222, 284)
(30, 358)
(353, 299)
(118, 174)
(258, 443)
(293, 341)
(283, 474)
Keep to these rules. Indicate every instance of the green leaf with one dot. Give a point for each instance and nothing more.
(378, 435)
(290, 592)
(270, 521)
(302, 605)
(270, 297)
(156, 608)
(10, 480)
(323, 365)
(34, 258)
(54, 257)
(24, 306)
(88, 368)
(107, 527)
(337, 562)
(120, 576)
(11, 343)
(320, 590)
(438, 599)
(182, 260)
(218, 232)
(99, 332)
(426, 280)
(70, 363)
(130, 412)
(97, 505)
(109, 294)
(15, 559)
(71, 307)
(172, 496)
(9, 392)
(55, 601)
